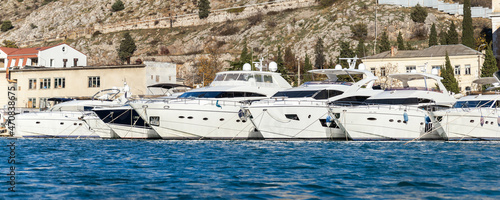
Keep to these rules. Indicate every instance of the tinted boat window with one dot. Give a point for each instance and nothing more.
(231, 77)
(473, 104)
(296, 94)
(325, 94)
(268, 78)
(220, 77)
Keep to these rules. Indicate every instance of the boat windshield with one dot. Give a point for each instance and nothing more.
(220, 94)
(244, 77)
(474, 104)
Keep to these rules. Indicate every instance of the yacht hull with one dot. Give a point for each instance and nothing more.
(126, 123)
(295, 122)
(383, 122)
(61, 124)
(196, 119)
(465, 124)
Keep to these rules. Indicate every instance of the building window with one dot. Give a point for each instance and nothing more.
(43, 103)
(32, 84)
(411, 69)
(51, 62)
(382, 71)
(64, 62)
(34, 61)
(75, 62)
(31, 102)
(467, 69)
(436, 70)
(94, 81)
(44, 83)
(457, 69)
(157, 78)
(169, 78)
(59, 83)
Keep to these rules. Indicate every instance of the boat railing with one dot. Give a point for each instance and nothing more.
(374, 106)
(285, 101)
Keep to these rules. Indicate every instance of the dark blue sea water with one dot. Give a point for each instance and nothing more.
(141, 169)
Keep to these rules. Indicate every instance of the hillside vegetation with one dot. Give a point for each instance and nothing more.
(297, 29)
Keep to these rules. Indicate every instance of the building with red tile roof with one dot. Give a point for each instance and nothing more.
(61, 55)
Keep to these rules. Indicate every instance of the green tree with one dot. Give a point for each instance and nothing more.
(290, 60)
(449, 81)
(281, 66)
(203, 8)
(418, 14)
(467, 29)
(117, 6)
(307, 66)
(384, 45)
(9, 44)
(319, 52)
(326, 3)
(245, 57)
(433, 36)
(6, 25)
(360, 49)
(442, 38)
(359, 31)
(452, 35)
(345, 52)
(401, 42)
(490, 63)
(127, 48)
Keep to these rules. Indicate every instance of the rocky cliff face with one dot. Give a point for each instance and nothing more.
(74, 22)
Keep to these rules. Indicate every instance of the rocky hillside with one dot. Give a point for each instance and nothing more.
(55, 21)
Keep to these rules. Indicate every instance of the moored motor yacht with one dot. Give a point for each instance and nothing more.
(126, 122)
(473, 117)
(73, 118)
(301, 113)
(398, 113)
(212, 112)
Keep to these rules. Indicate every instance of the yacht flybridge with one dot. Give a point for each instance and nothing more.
(301, 112)
(473, 117)
(72, 118)
(398, 113)
(212, 112)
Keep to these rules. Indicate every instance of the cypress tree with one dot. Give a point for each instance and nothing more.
(360, 49)
(490, 63)
(345, 52)
(307, 66)
(401, 43)
(320, 56)
(467, 29)
(281, 65)
(449, 81)
(203, 8)
(385, 45)
(433, 36)
(245, 57)
(127, 47)
(442, 38)
(452, 36)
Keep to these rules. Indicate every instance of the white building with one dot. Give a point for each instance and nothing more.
(60, 55)
(466, 63)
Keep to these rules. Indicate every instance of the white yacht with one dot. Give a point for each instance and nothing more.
(473, 117)
(398, 113)
(126, 122)
(212, 112)
(301, 113)
(73, 118)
